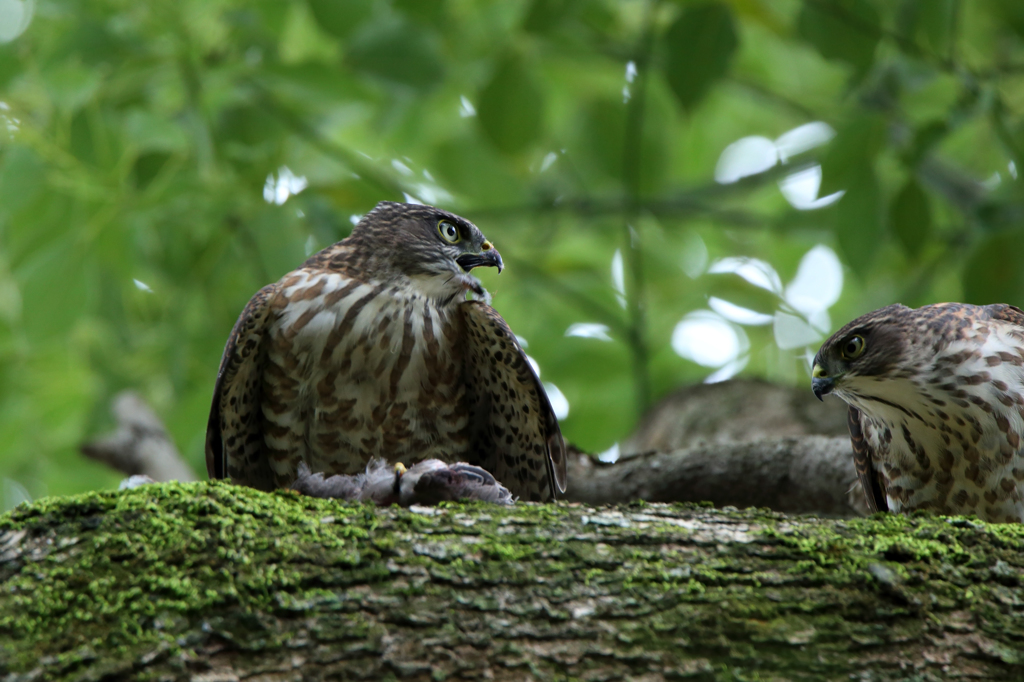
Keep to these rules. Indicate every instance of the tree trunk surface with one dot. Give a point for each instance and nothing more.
(206, 581)
(798, 475)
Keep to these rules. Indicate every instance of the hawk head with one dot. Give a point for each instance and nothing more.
(873, 348)
(434, 249)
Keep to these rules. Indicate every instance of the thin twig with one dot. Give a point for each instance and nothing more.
(777, 98)
(352, 160)
(633, 247)
(248, 242)
(690, 202)
(559, 287)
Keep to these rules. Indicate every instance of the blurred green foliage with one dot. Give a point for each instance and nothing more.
(140, 143)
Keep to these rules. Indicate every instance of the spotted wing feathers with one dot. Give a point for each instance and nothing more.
(869, 478)
(234, 435)
(1007, 313)
(513, 430)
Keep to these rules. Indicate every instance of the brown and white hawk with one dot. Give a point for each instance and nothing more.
(370, 350)
(936, 400)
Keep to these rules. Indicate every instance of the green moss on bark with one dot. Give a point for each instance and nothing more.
(132, 569)
(152, 578)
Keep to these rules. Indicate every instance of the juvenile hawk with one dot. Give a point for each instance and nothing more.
(936, 400)
(371, 350)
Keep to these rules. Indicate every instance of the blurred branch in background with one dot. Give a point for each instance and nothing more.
(140, 445)
(683, 191)
(363, 168)
(735, 443)
(701, 201)
(809, 475)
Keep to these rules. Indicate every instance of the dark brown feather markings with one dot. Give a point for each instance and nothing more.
(866, 473)
(943, 406)
(499, 391)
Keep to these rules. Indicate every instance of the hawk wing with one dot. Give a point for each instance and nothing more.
(234, 435)
(513, 430)
(1007, 313)
(869, 478)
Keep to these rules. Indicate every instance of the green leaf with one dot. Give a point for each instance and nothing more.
(279, 239)
(352, 195)
(511, 107)
(1009, 13)
(858, 219)
(85, 131)
(698, 49)
(250, 136)
(314, 86)
(473, 168)
(146, 168)
(993, 273)
(98, 41)
(935, 20)
(303, 41)
(340, 17)
(843, 30)
(545, 15)
(926, 22)
(603, 134)
(602, 138)
(149, 132)
(432, 13)
(55, 290)
(326, 224)
(396, 51)
(22, 179)
(852, 150)
(600, 16)
(70, 85)
(911, 218)
(925, 138)
(10, 65)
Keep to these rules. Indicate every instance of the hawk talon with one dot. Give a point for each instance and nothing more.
(425, 483)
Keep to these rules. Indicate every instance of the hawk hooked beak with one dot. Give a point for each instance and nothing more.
(488, 256)
(821, 383)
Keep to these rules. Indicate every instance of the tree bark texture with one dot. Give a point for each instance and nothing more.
(799, 475)
(206, 581)
(735, 411)
(741, 443)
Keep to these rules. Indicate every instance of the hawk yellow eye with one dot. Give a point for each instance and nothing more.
(449, 232)
(853, 348)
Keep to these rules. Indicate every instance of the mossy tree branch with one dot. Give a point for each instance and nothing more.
(173, 581)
